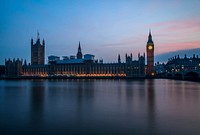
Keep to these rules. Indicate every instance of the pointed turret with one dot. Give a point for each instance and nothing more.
(43, 42)
(131, 56)
(25, 64)
(150, 37)
(79, 53)
(138, 55)
(79, 46)
(119, 59)
(38, 38)
(31, 41)
(185, 56)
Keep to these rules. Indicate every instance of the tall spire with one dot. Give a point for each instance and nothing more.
(38, 38)
(43, 42)
(150, 37)
(31, 41)
(79, 47)
(25, 64)
(119, 59)
(38, 35)
(138, 55)
(150, 32)
(79, 53)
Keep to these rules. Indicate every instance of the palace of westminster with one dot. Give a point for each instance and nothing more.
(80, 65)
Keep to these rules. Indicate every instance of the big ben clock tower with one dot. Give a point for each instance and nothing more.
(150, 56)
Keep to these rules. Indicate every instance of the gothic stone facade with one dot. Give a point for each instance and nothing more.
(37, 52)
(13, 67)
(88, 68)
(77, 66)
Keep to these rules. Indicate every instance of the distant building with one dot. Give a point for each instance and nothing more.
(53, 58)
(37, 51)
(177, 64)
(159, 68)
(13, 68)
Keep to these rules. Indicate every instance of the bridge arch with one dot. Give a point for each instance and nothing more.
(178, 75)
(191, 75)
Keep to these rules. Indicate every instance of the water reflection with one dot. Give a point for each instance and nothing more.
(99, 107)
(85, 98)
(37, 105)
(37, 93)
(150, 89)
(85, 91)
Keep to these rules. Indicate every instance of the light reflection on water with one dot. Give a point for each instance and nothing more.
(99, 107)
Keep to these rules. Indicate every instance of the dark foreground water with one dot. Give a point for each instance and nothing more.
(99, 107)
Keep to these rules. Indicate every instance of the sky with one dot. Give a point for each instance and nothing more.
(104, 28)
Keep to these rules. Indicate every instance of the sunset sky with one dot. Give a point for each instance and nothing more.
(105, 28)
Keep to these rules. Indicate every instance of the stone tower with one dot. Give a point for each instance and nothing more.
(150, 56)
(37, 51)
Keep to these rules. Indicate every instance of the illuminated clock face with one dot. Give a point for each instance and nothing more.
(150, 47)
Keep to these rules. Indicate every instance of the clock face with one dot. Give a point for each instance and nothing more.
(150, 47)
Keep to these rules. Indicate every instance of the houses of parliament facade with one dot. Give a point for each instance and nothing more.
(80, 65)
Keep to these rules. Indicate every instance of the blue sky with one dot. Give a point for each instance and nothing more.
(105, 28)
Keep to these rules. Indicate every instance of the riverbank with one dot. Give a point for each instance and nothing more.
(67, 77)
(97, 77)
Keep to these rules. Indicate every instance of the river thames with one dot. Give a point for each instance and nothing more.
(99, 107)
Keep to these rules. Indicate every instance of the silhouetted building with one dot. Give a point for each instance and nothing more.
(150, 56)
(177, 64)
(160, 68)
(2, 70)
(80, 65)
(88, 66)
(13, 67)
(37, 51)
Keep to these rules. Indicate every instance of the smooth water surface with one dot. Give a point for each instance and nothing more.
(99, 107)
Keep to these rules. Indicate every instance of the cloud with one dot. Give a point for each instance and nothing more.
(178, 28)
(188, 22)
(176, 35)
(171, 47)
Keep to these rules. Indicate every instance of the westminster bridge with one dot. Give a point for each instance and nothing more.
(184, 74)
